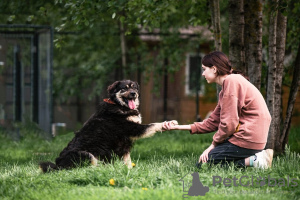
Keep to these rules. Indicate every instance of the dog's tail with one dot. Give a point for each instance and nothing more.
(48, 167)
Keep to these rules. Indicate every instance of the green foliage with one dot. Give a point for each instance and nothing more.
(103, 18)
(224, 25)
(85, 66)
(160, 162)
(293, 25)
(294, 139)
(87, 37)
(149, 14)
(291, 9)
(42, 12)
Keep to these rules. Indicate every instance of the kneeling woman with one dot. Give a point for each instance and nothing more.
(241, 118)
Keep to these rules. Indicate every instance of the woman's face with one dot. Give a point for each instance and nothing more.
(209, 73)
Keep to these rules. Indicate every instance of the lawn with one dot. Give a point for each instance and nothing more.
(161, 161)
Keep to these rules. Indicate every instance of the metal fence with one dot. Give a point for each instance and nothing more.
(26, 56)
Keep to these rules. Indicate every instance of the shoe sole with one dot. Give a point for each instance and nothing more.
(270, 153)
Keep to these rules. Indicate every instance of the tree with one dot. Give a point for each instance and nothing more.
(253, 40)
(280, 55)
(236, 38)
(123, 50)
(277, 12)
(292, 44)
(215, 21)
(272, 69)
(291, 102)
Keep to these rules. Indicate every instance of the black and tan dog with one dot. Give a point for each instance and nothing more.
(110, 131)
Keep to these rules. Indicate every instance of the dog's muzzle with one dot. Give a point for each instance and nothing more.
(132, 95)
(130, 99)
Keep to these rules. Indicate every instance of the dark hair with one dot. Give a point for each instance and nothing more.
(221, 62)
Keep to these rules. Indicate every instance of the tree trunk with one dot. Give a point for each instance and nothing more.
(272, 75)
(215, 19)
(123, 50)
(253, 40)
(292, 98)
(165, 105)
(236, 34)
(280, 54)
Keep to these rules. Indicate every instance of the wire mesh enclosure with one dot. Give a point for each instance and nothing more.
(26, 54)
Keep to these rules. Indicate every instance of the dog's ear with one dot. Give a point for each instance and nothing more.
(112, 88)
(137, 86)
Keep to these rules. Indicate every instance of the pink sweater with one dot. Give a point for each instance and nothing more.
(241, 114)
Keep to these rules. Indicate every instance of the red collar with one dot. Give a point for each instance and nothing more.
(108, 101)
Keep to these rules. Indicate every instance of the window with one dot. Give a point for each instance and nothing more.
(193, 71)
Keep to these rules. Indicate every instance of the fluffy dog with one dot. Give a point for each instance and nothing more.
(110, 131)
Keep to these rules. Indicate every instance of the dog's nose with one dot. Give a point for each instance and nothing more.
(132, 94)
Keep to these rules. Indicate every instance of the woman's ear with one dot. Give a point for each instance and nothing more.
(214, 69)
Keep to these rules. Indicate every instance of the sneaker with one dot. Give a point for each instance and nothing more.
(263, 159)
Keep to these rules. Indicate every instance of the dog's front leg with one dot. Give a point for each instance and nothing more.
(127, 160)
(153, 128)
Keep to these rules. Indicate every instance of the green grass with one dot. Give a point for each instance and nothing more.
(294, 139)
(160, 162)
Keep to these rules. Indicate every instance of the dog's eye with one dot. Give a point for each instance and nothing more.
(133, 86)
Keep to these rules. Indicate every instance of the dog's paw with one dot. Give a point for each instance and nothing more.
(129, 165)
(174, 122)
(169, 125)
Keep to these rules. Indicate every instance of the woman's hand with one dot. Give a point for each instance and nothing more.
(173, 125)
(204, 156)
(170, 125)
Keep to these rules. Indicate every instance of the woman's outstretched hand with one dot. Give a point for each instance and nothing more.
(170, 125)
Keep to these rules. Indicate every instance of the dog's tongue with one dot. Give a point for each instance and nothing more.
(131, 104)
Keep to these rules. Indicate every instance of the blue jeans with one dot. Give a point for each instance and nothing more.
(227, 152)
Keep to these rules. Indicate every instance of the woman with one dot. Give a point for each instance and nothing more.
(241, 118)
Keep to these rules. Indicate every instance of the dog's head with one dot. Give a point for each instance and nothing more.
(125, 93)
